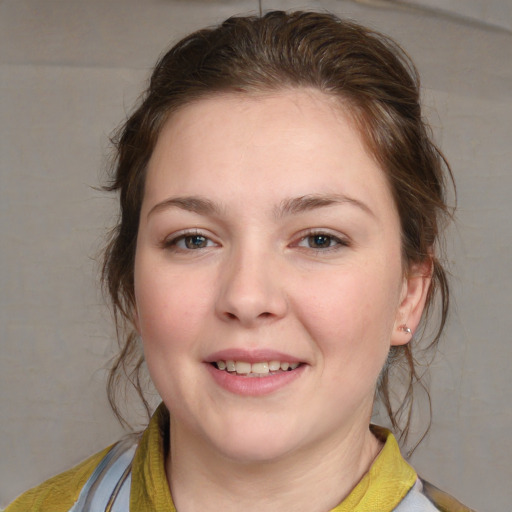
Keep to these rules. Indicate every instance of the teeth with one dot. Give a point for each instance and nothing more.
(273, 366)
(242, 367)
(260, 368)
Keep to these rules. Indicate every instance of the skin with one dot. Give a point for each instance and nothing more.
(259, 280)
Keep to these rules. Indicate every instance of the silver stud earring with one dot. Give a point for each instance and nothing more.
(406, 329)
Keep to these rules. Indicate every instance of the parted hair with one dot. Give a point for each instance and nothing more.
(373, 79)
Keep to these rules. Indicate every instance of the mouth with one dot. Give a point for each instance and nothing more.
(258, 369)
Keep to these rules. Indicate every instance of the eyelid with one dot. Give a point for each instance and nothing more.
(170, 241)
(342, 240)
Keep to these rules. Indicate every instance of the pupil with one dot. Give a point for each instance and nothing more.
(320, 241)
(195, 242)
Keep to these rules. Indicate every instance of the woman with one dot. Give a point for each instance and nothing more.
(275, 257)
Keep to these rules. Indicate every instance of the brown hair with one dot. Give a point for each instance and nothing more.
(369, 73)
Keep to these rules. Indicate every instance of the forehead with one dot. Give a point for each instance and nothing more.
(303, 116)
(293, 143)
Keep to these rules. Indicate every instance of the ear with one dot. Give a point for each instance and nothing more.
(415, 287)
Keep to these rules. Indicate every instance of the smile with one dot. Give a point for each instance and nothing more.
(259, 369)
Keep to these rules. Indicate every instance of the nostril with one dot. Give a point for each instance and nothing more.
(232, 316)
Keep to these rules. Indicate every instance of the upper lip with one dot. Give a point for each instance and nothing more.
(251, 356)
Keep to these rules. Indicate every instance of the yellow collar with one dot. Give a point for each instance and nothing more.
(387, 482)
(150, 490)
(382, 488)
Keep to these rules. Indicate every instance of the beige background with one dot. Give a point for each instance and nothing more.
(68, 72)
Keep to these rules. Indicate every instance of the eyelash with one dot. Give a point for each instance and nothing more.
(338, 242)
(335, 242)
(172, 243)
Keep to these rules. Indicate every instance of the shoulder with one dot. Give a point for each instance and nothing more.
(58, 494)
(425, 497)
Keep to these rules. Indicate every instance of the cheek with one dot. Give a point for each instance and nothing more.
(351, 315)
(171, 319)
(170, 307)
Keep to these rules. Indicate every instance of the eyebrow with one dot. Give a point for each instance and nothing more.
(310, 202)
(195, 204)
(292, 206)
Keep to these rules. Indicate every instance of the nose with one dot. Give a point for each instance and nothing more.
(251, 290)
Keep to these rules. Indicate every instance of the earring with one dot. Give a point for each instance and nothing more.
(406, 329)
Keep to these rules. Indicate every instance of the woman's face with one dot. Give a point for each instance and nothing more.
(268, 240)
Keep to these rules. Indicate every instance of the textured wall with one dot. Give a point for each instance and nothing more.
(68, 72)
(496, 13)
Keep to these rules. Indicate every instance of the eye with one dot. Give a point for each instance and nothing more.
(321, 241)
(189, 241)
(194, 241)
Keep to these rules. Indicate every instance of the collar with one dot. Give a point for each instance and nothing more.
(150, 490)
(384, 486)
(387, 482)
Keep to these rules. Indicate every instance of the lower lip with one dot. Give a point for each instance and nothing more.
(253, 386)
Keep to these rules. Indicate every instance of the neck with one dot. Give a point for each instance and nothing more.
(316, 479)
